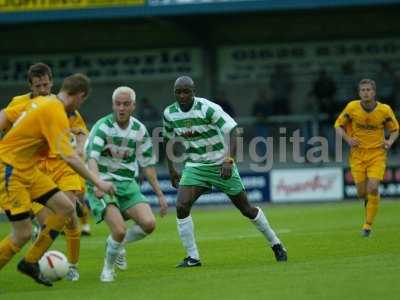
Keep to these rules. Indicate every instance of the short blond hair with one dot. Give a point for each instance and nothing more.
(367, 81)
(124, 89)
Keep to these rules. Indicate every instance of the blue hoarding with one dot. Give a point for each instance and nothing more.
(256, 184)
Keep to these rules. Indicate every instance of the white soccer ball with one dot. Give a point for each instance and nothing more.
(54, 265)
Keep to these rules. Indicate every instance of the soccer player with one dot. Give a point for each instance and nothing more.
(116, 145)
(42, 128)
(41, 81)
(205, 128)
(362, 125)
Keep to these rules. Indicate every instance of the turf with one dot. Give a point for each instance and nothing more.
(328, 259)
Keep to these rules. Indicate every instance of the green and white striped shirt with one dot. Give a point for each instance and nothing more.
(204, 131)
(118, 151)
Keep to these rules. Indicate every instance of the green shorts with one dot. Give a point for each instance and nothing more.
(127, 195)
(209, 176)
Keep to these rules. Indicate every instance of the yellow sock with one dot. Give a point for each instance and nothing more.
(7, 250)
(73, 237)
(371, 209)
(52, 227)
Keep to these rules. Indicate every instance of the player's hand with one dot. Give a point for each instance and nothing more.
(226, 169)
(98, 193)
(163, 205)
(106, 187)
(387, 144)
(353, 142)
(175, 178)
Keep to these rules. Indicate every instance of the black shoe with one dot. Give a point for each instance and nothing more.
(32, 270)
(366, 232)
(85, 233)
(189, 262)
(280, 252)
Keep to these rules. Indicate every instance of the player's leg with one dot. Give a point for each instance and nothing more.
(116, 224)
(58, 202)
(234, 188)
(20, 235)
(358, 169)
(84, 209)
(257, 217)
(40, 214)
(85, 229)
(68, 182)
(375, 171)
(371, 205)
(145, 223)
(62, 210)
(187, 195)
(16, 202)
(72, 236)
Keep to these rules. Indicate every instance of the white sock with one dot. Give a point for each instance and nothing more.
(186, 234)
(85, 227)
(135, 233)
(112, 251)
(262, 224)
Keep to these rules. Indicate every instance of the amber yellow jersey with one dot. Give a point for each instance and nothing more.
(77, 124)
(367, 127)
(42, 127)
(21, 99)
(76, 121)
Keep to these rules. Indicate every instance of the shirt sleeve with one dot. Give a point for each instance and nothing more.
(13, 112)
(344, 118)
(55, 128)
(215, 115)
(77, 124)
(96, 142)
(391, 122)
(145, 155)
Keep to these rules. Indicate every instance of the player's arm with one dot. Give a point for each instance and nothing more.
(10, 115)
(75, 162)
(226, 168)
(392, 138)
(340, 124)
(79, 129)
(94, 168)
(227, 125)
(80, 144)
(341, 132)
(55, 128)
(5, 124)
(151, 175)
(168, 134)
(147, 161)
(392, 125)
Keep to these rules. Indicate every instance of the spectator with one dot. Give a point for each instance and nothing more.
(147, 111)
(221, 100)
(386, 81)
(346, 84)
(262, 108)
(281, 84)
(324, 91)
(150, 117)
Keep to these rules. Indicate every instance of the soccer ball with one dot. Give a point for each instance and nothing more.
(54, 265)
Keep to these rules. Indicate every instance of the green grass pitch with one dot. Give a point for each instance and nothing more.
(328, 259)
